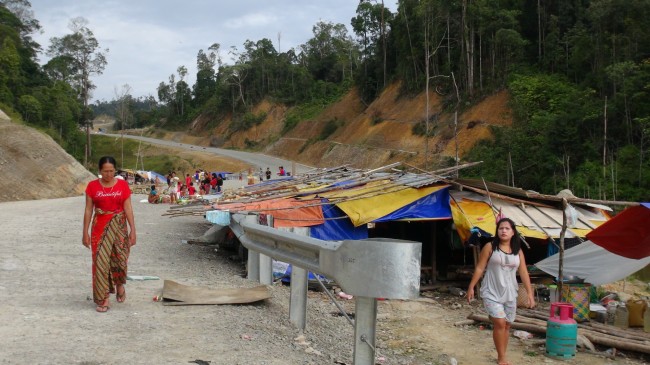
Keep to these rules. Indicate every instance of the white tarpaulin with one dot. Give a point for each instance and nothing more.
(593, 263)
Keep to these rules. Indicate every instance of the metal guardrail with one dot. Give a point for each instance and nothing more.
(368, 269)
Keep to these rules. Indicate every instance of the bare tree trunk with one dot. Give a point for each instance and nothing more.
(448, 43)
(480, 61)
(87, 154)
(605, 141)
(613, 178)
(539, 32)
(408, 32)
(453, 78)
(512, 171)
(383, 37)
(426, 94)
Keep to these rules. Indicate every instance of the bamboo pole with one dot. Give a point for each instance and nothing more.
(560, 282)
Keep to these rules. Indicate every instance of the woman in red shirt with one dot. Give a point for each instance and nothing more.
(108, 203)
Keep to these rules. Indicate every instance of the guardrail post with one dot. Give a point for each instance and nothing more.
(253, 265)
(266, 269)
(365, 320)
(266, 262)
(298, 303)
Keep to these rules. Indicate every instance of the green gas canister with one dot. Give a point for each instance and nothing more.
(561, 332)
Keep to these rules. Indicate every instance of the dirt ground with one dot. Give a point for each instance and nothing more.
(47, 315)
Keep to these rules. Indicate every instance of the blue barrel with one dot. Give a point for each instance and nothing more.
(561, 332)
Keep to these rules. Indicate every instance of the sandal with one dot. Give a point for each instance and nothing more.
(120, 297)
(103, 308)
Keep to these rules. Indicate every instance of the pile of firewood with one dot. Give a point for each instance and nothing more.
(589, 333)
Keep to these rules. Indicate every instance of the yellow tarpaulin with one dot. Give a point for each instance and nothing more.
(371, 205)
(468, 214)
(479, 214)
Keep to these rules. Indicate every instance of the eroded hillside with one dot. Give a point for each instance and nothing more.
(363, 136)
(34, 166)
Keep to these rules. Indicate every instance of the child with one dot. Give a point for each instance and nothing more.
(184, 192)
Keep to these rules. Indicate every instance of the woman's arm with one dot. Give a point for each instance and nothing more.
(88, 213)
(128, 210)
(480, 268)
(525, 279)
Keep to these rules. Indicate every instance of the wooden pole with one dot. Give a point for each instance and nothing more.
(561, 261)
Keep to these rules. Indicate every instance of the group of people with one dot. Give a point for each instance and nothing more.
(206, 183)
(109, 231)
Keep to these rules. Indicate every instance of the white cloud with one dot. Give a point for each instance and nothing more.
(149, 39)
(250, 20)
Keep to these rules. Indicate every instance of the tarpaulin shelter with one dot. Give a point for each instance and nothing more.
(473, 211)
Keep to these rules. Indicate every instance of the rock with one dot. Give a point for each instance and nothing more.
(445, 359)
(311, 350)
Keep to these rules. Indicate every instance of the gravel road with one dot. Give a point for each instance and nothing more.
(259, 160)
(47, 315)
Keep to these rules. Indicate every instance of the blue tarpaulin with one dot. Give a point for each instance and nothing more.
(337, 229)
(432, 206)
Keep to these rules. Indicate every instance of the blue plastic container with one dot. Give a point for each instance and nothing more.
(561, 332)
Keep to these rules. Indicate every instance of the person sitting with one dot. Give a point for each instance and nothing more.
(184, 193)
(153, 198)
(191, 190)
(213, 183)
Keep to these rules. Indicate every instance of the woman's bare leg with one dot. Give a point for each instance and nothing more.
(500, 335)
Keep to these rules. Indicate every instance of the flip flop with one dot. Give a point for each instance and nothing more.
(102, 308)
(121, 297)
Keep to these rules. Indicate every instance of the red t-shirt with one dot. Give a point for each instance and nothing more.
(109, 199)
(191, 190)
(188, 180)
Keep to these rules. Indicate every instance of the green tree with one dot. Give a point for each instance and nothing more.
(10, 78)
(206, 77)
(82, 49)
(30, 108)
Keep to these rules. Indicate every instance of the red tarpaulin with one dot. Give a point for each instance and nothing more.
(627, 234)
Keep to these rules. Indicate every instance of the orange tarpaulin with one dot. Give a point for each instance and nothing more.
(286, 212)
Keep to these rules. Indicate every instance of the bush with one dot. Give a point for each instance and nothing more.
(330, 127)
(247, 121)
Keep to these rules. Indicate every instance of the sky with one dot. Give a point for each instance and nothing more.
(148, 39)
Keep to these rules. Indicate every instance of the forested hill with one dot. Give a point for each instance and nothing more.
(577, 74)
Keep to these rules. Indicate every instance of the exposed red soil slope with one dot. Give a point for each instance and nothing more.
(367, 136)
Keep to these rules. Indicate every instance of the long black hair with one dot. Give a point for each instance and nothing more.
(107, 159)
(515, 241)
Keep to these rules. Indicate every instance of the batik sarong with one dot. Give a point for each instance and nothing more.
(110, 251)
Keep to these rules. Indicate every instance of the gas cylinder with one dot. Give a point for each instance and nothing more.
(561, 332)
